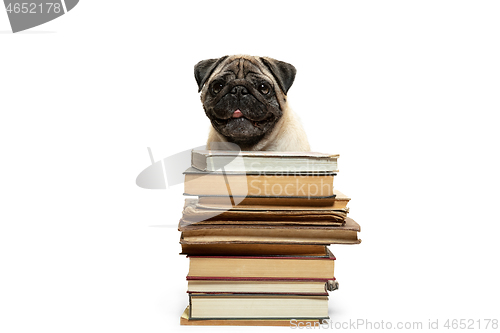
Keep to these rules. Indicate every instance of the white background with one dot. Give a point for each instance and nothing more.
(406, 92)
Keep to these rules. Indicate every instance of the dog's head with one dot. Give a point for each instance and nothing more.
(244, 96)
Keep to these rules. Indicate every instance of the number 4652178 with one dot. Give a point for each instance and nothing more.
(471, 324)
(33, 8)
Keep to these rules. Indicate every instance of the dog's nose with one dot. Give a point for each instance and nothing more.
(239, 90)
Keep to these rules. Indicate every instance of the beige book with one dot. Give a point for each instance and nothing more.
(260, 185)
(206, 306)
(340, 201)
(297, 322)
(274, 267)
(263, 161)
(257, 286)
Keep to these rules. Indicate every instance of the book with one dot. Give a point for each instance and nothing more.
(257, 286)
(337, 201)
(216, 249)
(194, 233)
(304, 267)
(193, 213)
(185, 320)
(241, 306)
(263, 161)
(198, 183)
(256, 237)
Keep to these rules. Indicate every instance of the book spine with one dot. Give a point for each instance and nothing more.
(229, 278)
(213, 293)
(268, 257)
(190, 306)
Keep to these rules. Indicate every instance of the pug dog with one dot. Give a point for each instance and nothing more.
(245, 98)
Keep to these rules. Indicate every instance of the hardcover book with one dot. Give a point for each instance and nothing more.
(241, 306)
(185, 320)
(239, 215)
(337, 201)
(263, 161)
(217, 249)
(194, 233)
(258, 286)
(271, 267)
(198, 183)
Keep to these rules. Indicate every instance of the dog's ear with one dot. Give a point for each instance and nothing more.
(204, 69)
(283, 72)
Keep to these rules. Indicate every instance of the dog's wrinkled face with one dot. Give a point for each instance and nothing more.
(242, 98)
(241, 102)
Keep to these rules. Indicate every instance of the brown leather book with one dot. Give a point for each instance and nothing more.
(193, 213)
(195, 233)
(214, 249)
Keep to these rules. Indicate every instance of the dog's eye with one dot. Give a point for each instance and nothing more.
(217, 87)
(264, 88)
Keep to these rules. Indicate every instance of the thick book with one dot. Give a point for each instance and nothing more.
(194, 233)
(296, 322)
(258, 286)
(297, 185)
(242, 306)
(263, 161)
(263, 267)
(193, 213)
(338, 201)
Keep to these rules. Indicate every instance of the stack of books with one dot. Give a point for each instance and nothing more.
(256, 229)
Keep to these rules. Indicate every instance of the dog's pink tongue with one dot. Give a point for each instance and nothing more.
(237, 114)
